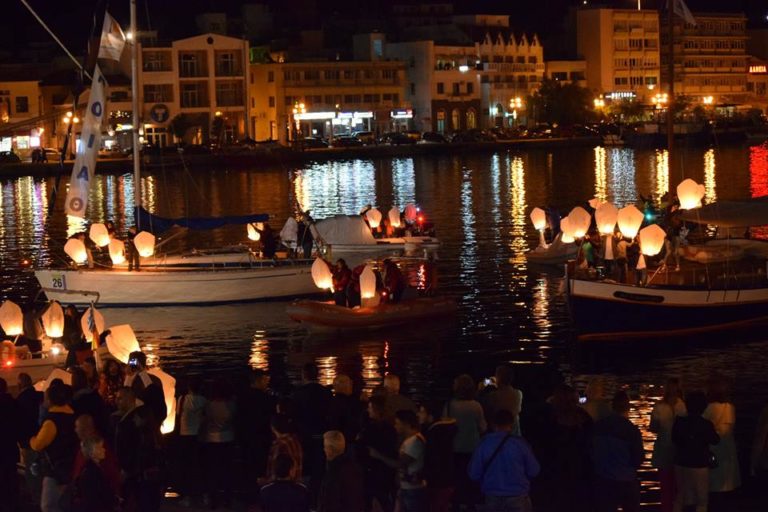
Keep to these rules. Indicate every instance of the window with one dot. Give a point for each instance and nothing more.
(371, 98)
(289, 100)
(311, 74)
(635, 44)
(191, 65)
(620, 80)
(331, 74)
(440, 127)
(349, 74)
(193, 95)
(368, 74)
(636, 80)
(229, 94)
(270, 76)
(560, 76)
(22, 104)
(158, 93)
(228, 63)
(387, 74)
(440, 88)
(651, 80)
(118, 96)
(532, 60)
(620, 63)
(292, 75)
(521, 60)
(620, 44)
(470, 87)
(456, 89)
(253, 102)
(351, 98)
(314, 99)
(471, 119)
(271, 102)
(395, 98)
(455, 119)
(498, 59)
(651, 43)
(156, 60)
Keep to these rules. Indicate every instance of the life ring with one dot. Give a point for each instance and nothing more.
(7, 351)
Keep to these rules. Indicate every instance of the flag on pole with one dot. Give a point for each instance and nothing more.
(92, 328)
(112, 39)
(90, 140)
(682, 10)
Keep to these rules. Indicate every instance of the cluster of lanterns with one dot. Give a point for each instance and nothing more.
(323, 278)
(628, 219)
(374, 216)
(98, 233)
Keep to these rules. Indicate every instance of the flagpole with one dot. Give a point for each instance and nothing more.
(671, 75)
(135, 116)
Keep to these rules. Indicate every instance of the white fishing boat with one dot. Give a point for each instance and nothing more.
(181, 279)
(342, 234)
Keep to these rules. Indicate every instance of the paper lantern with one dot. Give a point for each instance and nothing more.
(321, 275)
(595, 203)
(145, 244)
(253, 234)
(567, 230)
(99, 234)
(651, 239)
(11, 319)
(53, 320)
(85, 321)
(57, 373)
(394, 217)
(605, 218)
(75, 249)
(690, 194)
(374, 217)
(169, 392)
(580, 221)
(539, 219)
(121, 342)
(117, 251)
(411, 212)
(367, 283)
(630, 219)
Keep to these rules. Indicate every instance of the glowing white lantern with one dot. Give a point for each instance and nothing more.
(85, 320)
(57, 373)
(99, 234)
(595, 203)
(11, 319)
(630, 219)
(580, 221)
(321, 275)
(253, 234)
(53, 320)
(367, 283)
(121, 342)
(539, 219)
(117, 251)
(145, 244)
(374, 217)
(169, 392)
(567, 230)
(606, 216)
(394, 217)
(690, 194)
(411, 212)
(651, 239)
(75, 249)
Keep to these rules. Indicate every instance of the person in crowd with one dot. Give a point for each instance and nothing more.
(412, 495)
(33, 330)
(692, 436)
(12, 429)
(505, 396)
(268, 241)
(597, 406)
(342, 276)
(439, 465)
(621, 270)
(305, 239)
(720, 411)
(86, 400)
(218, 439)
(312, 402)
(91, 371)
(342, 487)
(587, 253)
(663, 418)
(758, 460)
(378, 434)
(96, 477)
(471, 425)
(353, 288)
(394, 400)
(394, 282)
(617, 453)
(131, 252)
(29, 400)
(137, 446)
(256, 408)
(284, 493)
(57, 442)
(110, 381)
(73, 334)
(148, 388)
(285, 443)
(111, 231)
(190, 408)
(503, 464)
(345, 412)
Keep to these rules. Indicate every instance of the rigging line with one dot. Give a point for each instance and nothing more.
(55, 38)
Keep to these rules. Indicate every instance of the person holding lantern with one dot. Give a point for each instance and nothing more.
(394, 282)
(342, 276)
(131, 251)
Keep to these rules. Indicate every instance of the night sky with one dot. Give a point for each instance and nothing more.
(72, 19)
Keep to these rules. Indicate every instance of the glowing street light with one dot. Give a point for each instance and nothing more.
(599, 103)
(708, 100)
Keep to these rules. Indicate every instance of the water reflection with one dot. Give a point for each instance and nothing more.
(518, 213)
(710, 185)
(259, 352)
(661, 175)
(403, 182)
(623, 190)
(601, 177)
(758, 180)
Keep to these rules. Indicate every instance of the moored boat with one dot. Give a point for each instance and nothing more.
(555, 253)
(350, 234)
(327, 315)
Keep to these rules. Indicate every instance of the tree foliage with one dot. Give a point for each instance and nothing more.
(561, 102)
(179, 126)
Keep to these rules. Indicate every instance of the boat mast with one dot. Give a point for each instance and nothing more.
(135, 114)
(671, 75)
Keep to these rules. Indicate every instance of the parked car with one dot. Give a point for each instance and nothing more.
(9, 157)
(313, 143)
(433, 138)
(346, 141)
(413, 134)
(365, 137)
(396, 139)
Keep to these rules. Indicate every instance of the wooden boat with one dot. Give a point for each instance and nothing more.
(327, 315)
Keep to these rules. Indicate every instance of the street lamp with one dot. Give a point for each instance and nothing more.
(515, 104)
(708, 100)
(298, 108)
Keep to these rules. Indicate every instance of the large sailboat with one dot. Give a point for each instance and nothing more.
(191, 279)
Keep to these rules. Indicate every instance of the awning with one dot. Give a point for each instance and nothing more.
(731, 214)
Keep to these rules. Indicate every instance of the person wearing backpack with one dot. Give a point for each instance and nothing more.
(503, 464)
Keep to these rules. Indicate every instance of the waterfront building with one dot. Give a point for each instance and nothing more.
(710, 60)
(621, 49)
(21, 109)
(573, 71)
(201, 78)
(757, 84)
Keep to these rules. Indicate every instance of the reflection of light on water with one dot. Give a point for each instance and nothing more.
(661, 174)
(403, 182)
(758, 180)
(518, 206)
(621, 166)
(153, 358)
(601, 178)
(149, 193)
(540, 309)
(710, 194)
(333, 188)
(370, 373)
(327, 369)
(75, 225)
(259, 347)
(468, 259)
(128, 202)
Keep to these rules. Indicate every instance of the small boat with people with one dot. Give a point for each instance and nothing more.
(556, 252)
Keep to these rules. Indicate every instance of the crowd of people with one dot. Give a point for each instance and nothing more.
(96, 445)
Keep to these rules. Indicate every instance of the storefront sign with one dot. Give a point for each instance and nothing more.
(159, 113)
(401, 114)
(758, 69)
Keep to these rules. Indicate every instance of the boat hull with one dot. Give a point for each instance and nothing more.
(602, 310)
(176, 287)
(37, 369)
(327, 315)
(383, 245)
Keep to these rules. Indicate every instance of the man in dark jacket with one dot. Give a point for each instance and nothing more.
(29, 400)
(342, 486)
(148, 388)
(11, 429)
(256, 408)
(283, 494)
(379, 434)
(438, 458)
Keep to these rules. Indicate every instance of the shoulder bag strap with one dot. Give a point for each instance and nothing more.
(495, 453)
